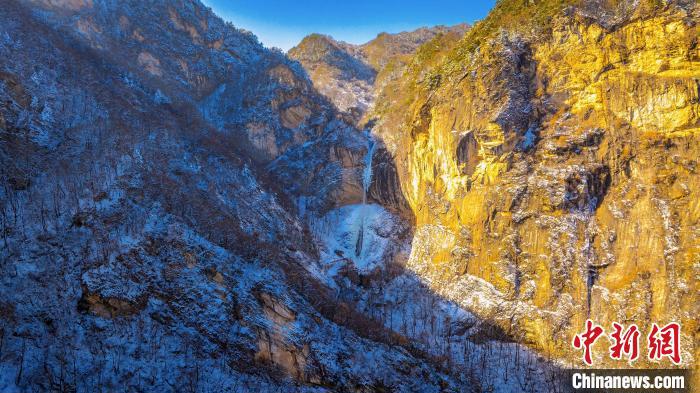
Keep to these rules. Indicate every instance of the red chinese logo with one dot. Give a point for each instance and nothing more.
(587, 339)
(665, 342)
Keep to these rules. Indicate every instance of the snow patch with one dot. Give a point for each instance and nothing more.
(337, 232)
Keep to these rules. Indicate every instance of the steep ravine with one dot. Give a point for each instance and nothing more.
(183, 209)
(548, 167)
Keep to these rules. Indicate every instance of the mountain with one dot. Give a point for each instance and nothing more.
(184, 209)
(347, 74)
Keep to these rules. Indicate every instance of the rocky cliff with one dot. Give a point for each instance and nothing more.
(549, 158)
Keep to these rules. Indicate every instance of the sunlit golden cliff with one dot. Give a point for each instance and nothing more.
(551, 166)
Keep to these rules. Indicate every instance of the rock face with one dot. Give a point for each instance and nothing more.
(555, 160)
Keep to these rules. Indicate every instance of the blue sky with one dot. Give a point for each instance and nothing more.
(283, 23)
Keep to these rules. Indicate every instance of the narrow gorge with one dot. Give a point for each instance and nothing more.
(439, 210)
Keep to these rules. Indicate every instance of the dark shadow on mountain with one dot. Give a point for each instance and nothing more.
(386, 185)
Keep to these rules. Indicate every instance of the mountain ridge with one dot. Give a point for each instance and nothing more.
(184, 209)
(346, 73)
